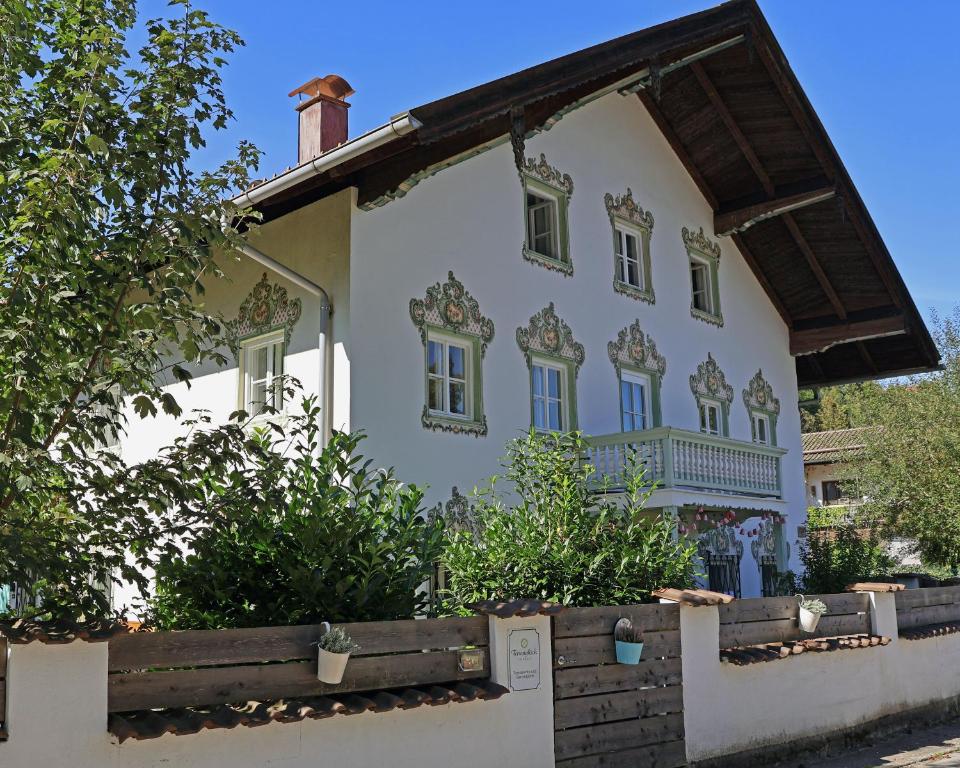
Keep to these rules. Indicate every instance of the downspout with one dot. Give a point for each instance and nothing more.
(324, 324)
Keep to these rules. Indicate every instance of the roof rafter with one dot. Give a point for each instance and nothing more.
(729, 222)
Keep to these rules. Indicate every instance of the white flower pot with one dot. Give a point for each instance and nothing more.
(331, 666)
(808, 620)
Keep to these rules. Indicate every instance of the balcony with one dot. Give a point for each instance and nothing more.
(676, 458)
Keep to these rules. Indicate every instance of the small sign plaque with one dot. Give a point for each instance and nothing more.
(471, 660)
(524, 647)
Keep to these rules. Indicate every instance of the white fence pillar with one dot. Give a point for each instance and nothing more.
(700, 659)
(883, 615)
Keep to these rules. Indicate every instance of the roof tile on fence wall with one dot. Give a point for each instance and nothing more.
(774, 651)
(510, 608)
(21, 631)
(149, 724)
(930, 630)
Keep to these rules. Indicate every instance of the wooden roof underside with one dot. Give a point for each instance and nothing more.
(741, 125)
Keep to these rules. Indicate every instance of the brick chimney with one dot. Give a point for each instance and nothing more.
(323, 115)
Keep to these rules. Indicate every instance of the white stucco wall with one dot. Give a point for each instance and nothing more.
(815, 475)
(470, 219)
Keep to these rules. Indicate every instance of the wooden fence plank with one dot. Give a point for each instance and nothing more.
(932, 614)
(583, 681)
(624, 705)
(3, 675)
(601, 649)
(3, 657)
(672, 754)
(613, 737)
(3, 701)
(756, 632)
(220, 685)
(575, 622)
(142, 650)
(773, 608)
(911, 598)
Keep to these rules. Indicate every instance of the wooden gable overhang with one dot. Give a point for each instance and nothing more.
(721, 91)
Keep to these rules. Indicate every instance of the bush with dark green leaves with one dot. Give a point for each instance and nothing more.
(548, 536)
(309, 533)
(838, 555)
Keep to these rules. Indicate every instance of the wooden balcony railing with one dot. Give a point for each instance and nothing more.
(676, 458)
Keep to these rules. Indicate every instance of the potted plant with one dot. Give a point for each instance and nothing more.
(333, 649)
(629, 640)
(810, 613)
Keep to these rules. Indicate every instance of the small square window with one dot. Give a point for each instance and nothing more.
(547, 397)
(710, 422)
(447, 379)
(262, 367)
(542, 225)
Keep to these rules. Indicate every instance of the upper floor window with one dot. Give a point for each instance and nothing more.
(455, 337)
(632, 227)
(713, 397)
(554, 359)
(704, 263)
(640, 368)
(634, 401)
(763, 409)
(546, 193)
(710, 421)
(261, 366)
(760, 428)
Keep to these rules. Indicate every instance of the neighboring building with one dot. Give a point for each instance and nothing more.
(652, 241)
(824, 454)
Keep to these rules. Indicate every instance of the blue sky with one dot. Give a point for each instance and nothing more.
(883, 76)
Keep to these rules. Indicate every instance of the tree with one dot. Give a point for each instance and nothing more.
(107, 236)
(550, 537)
(835, 407)
(909, 471)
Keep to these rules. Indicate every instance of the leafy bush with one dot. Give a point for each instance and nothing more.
(310, 536)
(840, 555)
(551, 538)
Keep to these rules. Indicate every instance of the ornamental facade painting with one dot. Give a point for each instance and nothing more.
(546, 173)
(550, 335)
(698, 241)
(709, 381)
(720, 541)
(450, 307)
(266, 308)
(758, 396)
(456, 513)
(636, 349)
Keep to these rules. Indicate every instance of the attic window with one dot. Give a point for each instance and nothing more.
(546, 195)
(542, 224)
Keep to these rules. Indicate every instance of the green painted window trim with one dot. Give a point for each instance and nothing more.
(569, 369)
(771, 421)
(656, 416)
(540, 177)
(477, 423)
(710, 383)
(624, 212)
(700, 247)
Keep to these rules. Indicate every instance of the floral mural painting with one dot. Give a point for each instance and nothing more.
(266, 308)
(548, 334)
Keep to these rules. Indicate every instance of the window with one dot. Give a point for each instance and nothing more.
(703, 259)
(635, 400)
(261, 365)
(700, 280)
(629, 261)
(760, 428)
(447, 387)
(547, 397)
(831, 492)
(542, 224)
(710, 422)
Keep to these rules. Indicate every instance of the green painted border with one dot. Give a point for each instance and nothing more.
(570, 375)
(722, 392)
(540, 176)
(656, 415)
(477, 424)
(624, 210)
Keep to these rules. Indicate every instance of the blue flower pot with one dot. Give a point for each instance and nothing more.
(628, 653)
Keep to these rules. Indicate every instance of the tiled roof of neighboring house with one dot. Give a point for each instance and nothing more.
(831, 446)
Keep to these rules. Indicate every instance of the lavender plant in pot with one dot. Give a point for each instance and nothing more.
(629, 641)
(333, 651)
(810, 612)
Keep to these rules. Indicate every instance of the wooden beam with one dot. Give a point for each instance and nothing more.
(721, 108)
(807, 342)
(729, 222)
(867, 357)
(678, 148)
(815, 267)
(762, 279)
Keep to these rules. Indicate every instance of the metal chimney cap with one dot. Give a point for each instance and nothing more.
(330, 87)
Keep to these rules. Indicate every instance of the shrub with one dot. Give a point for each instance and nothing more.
(840, 555)
(312, 535)
(550, 537)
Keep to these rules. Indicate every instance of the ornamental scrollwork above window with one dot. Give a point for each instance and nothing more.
(548, 334)
(698, 241)
(635, 348)
(758, 396)
(709, 381)
(626, 208)
(451, 307)
(265, 308)
(765, 543)
(720, 541)
(457, 513)
(543, 171)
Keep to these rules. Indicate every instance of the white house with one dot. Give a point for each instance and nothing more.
(652, 241)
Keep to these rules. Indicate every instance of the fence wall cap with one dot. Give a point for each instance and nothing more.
(693, 596)
(872, 586)
(520, 608)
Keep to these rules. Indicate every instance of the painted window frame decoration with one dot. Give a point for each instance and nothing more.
(636, 352)
(548, 338)
(703, 250)
(542, 179)
(625, 215)
(760, 403)
(266, 311)
(709, 386)
(448, 311)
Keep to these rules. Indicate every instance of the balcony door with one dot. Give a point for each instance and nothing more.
(635, 391)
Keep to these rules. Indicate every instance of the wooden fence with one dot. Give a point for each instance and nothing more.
(927, 607)
(774, 619)
(193, 668)
(3, 686)
(613, 714)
